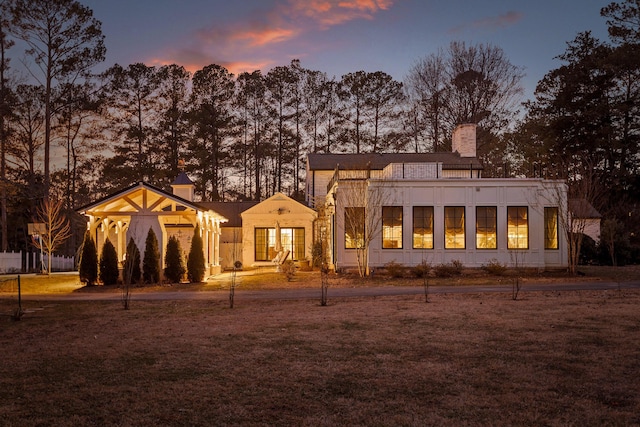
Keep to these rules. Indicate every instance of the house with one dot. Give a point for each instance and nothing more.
(133, 211)
(460, 163)
(396, 207)
(254, 233)
(435, 208)
(265, 233)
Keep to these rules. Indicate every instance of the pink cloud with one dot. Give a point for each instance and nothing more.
(328, 13)
(286, 22)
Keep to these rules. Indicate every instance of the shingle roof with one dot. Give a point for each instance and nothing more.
(230, 210)
(378, 161)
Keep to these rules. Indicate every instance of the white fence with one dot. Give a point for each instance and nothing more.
(16, 262)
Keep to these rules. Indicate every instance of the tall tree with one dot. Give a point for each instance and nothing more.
(64, 39)
(426, 85)
(623, 21)
(315, 100)
(214, 125)
(298, 106)
(28, 137)
(353, 93)
(384, 100)
(133, 117)
(282, 83)
(76, 129)
(5, 113)
(251, 96)
(173, 126)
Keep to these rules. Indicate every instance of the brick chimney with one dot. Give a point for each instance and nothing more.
(464, 140)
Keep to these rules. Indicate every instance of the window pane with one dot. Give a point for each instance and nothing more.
(486, 226)
(454, 227)
(423, 227)
(297, 251)
(551, 228)
(261, 245)
(354, 227)
(518, 227)
(392, 227)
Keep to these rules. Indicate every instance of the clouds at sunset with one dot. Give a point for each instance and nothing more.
(259, 41)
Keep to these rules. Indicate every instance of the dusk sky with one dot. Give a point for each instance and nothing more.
(339, 36)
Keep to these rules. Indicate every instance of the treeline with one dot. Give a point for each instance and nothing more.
(76, 136)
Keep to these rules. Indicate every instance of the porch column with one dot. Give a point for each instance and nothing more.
(120, 231)
(205, 238)
(216, 243)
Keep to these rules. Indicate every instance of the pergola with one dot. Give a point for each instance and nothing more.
(130, 213)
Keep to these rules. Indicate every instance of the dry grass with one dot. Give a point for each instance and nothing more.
(551, 358)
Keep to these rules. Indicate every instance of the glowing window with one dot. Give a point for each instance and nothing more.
(423, 227)
(392, 227)
(518, 227)
(267, 245)
(551, 228)
(354, 227)
(486, 226)
(454, 227)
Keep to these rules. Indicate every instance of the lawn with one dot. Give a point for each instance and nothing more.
(549, 358)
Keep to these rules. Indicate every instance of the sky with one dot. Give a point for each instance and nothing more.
(339, 36)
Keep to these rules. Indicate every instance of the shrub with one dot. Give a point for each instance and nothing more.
(151, 260)
(195, 262)
(131, 273)
(394, 269)
(453, 268)
(288, 268)
(494, 267)
(88, 261)
(421, 270)
(174, 265)
(108, 264)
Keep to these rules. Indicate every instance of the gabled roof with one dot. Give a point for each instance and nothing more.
(378, 161)
(133, 192)
(283, 202)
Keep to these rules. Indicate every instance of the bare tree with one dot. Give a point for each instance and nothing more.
(517, 263)
(363, 200)
(465, 84)
(56, 228)
(237, 265)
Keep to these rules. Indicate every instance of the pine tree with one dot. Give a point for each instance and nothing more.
(89, 261)
(108, 264)
(174, 265)
(195, 262)
(132, 271)
(151, 260)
